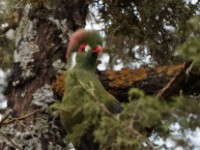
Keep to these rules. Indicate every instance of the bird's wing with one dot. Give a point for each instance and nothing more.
(112, 103)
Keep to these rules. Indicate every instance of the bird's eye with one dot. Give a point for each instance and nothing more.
(82, 47)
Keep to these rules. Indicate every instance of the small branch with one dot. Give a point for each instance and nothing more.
(4, 122)
(97, 101)
(4, 118)
(2, 35)
(27, 129)
(2, 111)
(20, 118)
(175, 84)
(149, 144)
(16, 146)
(130, 127)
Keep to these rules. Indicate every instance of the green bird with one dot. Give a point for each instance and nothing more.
(82, 53)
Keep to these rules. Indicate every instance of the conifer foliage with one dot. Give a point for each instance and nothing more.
(34, 35)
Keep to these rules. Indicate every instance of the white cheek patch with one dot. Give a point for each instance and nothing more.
(73, 61)
(87, 48)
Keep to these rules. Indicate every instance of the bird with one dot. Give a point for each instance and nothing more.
(82, 53)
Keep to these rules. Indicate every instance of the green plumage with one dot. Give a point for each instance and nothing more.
(74, 96)
(83, 70)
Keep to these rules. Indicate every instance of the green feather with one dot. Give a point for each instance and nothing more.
(77, 77)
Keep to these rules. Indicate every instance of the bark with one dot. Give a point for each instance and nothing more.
(163, 82)
(41, 42)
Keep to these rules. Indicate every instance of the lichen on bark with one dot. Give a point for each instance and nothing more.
(41, 42)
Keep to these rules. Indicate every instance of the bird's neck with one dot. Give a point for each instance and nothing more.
(90, 68)
(83, 63)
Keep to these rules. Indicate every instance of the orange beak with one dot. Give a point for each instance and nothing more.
(98, 49)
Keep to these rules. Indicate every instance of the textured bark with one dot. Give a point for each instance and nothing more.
(42, 37)
(164, 81)
(51, 48)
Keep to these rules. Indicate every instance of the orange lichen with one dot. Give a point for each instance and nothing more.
(58, 85)
(169, 70)
(125, 77)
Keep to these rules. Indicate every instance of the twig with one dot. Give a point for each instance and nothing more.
(27, 129)
(16, 146)
(2, 35)
(20, 118)
(2, 110)
(97, 100)
(130, 129)
(149, 144)
(4, 118)
(175, 82)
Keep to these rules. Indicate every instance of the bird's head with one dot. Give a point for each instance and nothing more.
(83, 49)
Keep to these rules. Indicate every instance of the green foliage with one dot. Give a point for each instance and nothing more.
(6, 53)
(141, 117)
(34, 3)
(188, 114)
(40, 3)
(8, 20)
(190, 49)
(135, 29)
(132, 126)
(149, 25)
(10, 15)
(156, 28)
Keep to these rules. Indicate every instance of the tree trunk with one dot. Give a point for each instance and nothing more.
(42, 37)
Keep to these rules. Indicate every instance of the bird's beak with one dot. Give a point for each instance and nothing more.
(98, 49)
